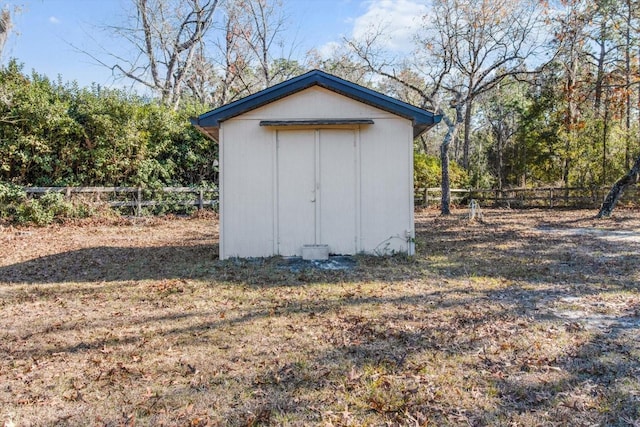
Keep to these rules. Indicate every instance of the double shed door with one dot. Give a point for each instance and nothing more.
(316, 190)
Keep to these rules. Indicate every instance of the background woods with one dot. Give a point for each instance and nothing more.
(532, 94)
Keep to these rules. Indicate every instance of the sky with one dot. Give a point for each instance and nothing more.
(49, 35)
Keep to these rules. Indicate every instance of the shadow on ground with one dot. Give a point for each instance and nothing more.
(484, 324)
(109, 264)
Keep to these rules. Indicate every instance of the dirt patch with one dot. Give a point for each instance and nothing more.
(523, 318)
(335, 262)
(622, 236)
(597, 313)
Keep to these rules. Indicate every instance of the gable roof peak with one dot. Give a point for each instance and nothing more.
(422, 120)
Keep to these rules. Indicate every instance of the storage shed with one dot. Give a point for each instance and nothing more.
(315, 162)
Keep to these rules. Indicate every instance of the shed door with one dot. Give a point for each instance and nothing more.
(337, 222)
(296, 191)
(316, 195)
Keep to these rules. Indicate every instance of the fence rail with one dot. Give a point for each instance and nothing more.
(138, 198)
(135, 196)
(550, 197)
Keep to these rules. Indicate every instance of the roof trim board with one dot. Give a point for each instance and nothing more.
(422, 120)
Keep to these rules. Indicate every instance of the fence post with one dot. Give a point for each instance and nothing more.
(139, 202)
(67, 193)
(550, 198)
(200, 199)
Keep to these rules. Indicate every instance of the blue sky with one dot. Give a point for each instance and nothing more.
(45, 31)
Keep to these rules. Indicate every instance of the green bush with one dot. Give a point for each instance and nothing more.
(17, 208)
(11, 193)
(57, 205)
(89, 136)
(11, 196)
(427, 172)
(31, 211)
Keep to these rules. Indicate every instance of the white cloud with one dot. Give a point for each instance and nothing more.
(54, 20)
(328, 49)
(398, 19)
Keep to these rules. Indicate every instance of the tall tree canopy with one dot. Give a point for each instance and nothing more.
(531, 93)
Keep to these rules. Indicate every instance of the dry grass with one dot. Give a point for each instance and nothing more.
(527, 318)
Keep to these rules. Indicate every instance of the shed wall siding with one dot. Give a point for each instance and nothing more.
(383, 167)
(315, 103)
(386, 186)
(247, 216)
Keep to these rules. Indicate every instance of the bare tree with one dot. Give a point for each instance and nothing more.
(261, 24)
(341, 62)
(222, 68)
(202, 80)
(429, 97)
(600, 33)
(244, 56)
(232, 58)
(245, 52)
(465, 49)
(167, 37)
(501, 110)
(487, 42)
(5, 95)
(5, 27)
(429, 92)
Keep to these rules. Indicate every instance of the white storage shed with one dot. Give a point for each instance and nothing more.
(315, 162)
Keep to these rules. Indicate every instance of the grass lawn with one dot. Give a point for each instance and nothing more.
(524, 318)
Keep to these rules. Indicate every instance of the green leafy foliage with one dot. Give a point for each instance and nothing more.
(17, 208)
(11, 196)
(58, 134)
(11, 193)
(31, 211)
(55, 134)
(427, 172)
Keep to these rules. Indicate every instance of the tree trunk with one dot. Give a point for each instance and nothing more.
(627, 78)
(600, 68)
(467, 134)
(605, 136)
(500, 152)
(618, 188)
(452, 131)
(445, 206)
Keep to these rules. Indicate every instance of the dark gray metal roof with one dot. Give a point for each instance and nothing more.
(209, 122)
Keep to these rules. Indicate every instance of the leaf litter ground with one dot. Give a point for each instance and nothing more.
(524, 318)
